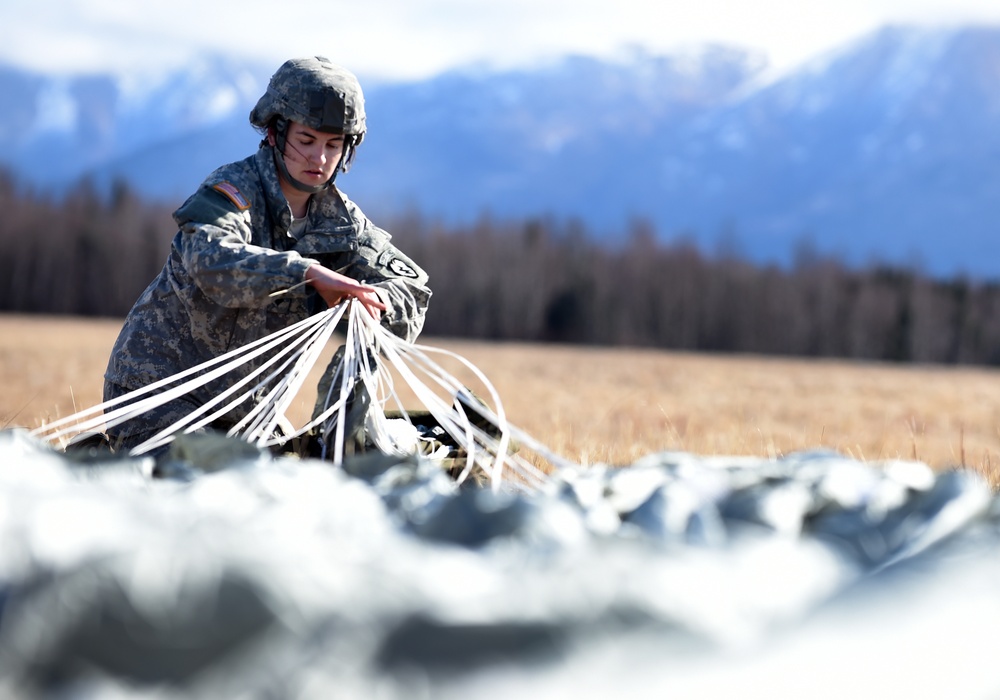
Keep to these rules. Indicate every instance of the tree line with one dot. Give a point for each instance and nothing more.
(542, 280)
(83, 253)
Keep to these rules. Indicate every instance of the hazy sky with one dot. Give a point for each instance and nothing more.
(412, 38)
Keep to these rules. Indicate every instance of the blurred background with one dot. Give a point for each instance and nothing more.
(814, 180)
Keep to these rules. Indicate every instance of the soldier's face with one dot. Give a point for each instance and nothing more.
(311, 156)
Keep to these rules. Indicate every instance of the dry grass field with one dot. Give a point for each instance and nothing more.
(613, 405)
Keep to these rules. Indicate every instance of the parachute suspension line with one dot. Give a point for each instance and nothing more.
(454, 418)
(103, 416)
(456, 424)
(348, 372)
(288, 357)
(420, 351)
(272, 408)
(185, 425)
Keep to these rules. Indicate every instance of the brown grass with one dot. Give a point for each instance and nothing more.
(613, 405)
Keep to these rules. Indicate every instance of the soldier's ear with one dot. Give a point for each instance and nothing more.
(270, 135)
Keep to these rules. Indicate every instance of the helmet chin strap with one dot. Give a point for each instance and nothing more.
(281, 142)
(279, 160)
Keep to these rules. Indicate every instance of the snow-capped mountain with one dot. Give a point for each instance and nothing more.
(58, 128)
(887, 148)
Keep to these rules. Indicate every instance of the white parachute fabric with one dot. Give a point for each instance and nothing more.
(289, 356)
(250, 574)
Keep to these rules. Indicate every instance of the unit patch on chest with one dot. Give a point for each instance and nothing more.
(233, 194)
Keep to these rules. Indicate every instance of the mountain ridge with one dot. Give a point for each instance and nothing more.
(883, 149)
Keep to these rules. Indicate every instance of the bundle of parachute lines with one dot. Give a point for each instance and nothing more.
(466, 434)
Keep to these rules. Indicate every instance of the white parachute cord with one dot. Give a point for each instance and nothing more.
(382, 390)
(305, 340)
(526, 470)
(457, 389)
(167, 434)
(459, 427)
(278, 400)
(365, 338)
(320, 419)
(379, 387)
(442, 413)
(189, 423)
(455, 423)
(347, 383)
(294, 352)
(361, 347)
(329, 409)
(420, 353)
(369, 374)
(76, 419)
(107, 418)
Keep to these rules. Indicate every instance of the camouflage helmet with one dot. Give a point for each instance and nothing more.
(316, 92)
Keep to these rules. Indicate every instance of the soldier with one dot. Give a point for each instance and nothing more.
(270, 223)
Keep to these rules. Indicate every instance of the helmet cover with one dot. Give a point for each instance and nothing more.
(316, 92)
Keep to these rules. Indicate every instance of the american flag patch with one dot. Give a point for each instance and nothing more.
(234, 195)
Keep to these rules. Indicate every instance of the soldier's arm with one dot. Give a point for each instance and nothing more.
(216, 249)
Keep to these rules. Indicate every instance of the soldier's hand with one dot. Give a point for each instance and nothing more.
(333, 287)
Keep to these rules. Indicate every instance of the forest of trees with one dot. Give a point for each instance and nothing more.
(539, 280)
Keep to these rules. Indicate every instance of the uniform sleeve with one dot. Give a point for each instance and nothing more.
(400, 282)
(215, 246)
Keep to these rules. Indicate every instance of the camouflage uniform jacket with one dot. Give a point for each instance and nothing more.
(233, 249)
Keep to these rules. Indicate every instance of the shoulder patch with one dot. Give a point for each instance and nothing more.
(233, 194)
(402, 269)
